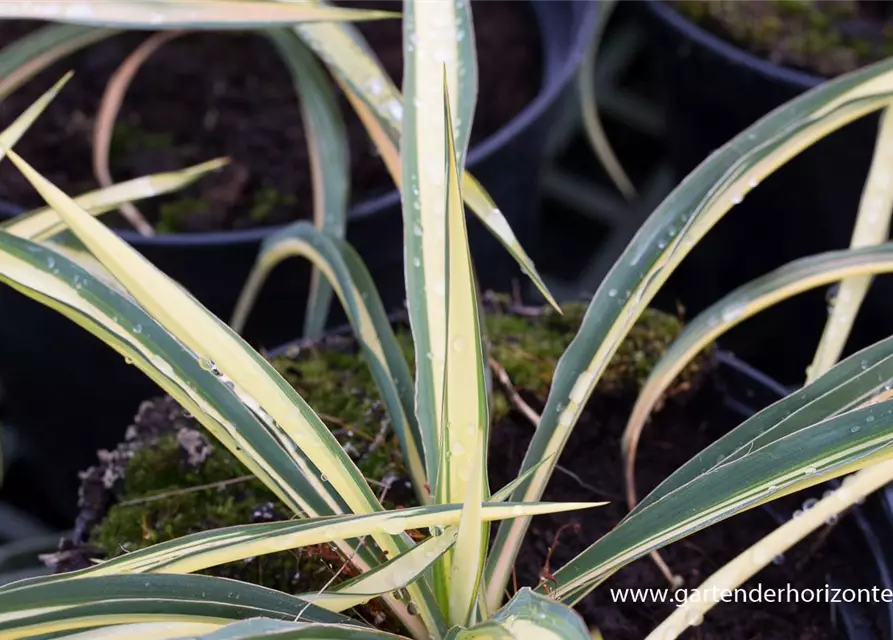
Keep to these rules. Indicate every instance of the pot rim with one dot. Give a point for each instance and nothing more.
(737, 55)
(560, 63)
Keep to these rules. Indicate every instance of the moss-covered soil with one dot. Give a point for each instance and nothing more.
(166, 480)
(826, 37)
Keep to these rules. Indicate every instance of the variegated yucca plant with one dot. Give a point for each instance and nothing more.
(310, 36)
(452, 583)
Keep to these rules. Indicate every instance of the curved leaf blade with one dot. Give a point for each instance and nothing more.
(803, 439)
(592, 123)
(872, 227)
(684, 217)
(463, 461)
(32, 53)
(326, 469)
(205, 549)
(380, 107)
(391, 576)
(329, 158)
(261, 629)
(44, 223)
(745, 302)
(216, 347)
(28, 609)
(344, 269)
(531, 616)
(154, 15)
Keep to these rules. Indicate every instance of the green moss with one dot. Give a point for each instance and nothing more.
(266, 200)
(127, 138)
(161, 487)
(172, 216)
(529, 356)
(822, 36)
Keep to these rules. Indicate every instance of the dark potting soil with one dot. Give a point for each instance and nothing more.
(675, 434)
(826, 37)
(692, 418)
(216, 94)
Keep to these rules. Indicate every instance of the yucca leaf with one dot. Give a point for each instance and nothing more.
(753, 559)
(810, 436)
(154, 15)
(531, 616)
(429, 46)
(28, 608)
(592, 123)
(864, 376)
(380, 107)
(53, 279)
(344, 269)
(391, 576)
(142, 631)
(216, 347)
(327, 471)
(43, 223)
(205, 549)
(32, 53)
(261, 629)
(661, 243)
(737, 306)
(329, 158)
(483, 631)
(872, 227)
(463, 449)
(13, 133)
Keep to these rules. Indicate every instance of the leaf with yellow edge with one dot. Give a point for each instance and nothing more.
(663, 240)
(43, 223)
(872, 227)
(11, 135)
(755, 558)
(380, 107)
(32, 53)
(199, 551)
(329, 154)
(31, 608)
(736, 307)
(343, 268)
(391, 576)
(463, 474)
(156, 15)
(146, 631)
(326, 467)
(822, 431)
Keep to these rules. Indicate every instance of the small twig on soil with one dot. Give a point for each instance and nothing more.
(347, 561)
(546, 572)
(179, 492)
(527, 411)
(334, 420)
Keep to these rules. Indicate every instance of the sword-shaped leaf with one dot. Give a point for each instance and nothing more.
(155, 15)
(329, 158)
(665, 238)
(380, 107)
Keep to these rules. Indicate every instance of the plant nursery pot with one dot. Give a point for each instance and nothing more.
(712, 396)
(92, 391)
(713, 90)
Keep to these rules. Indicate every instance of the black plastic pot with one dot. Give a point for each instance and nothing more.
(70, 394)
(713, 90)
(859, 536)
